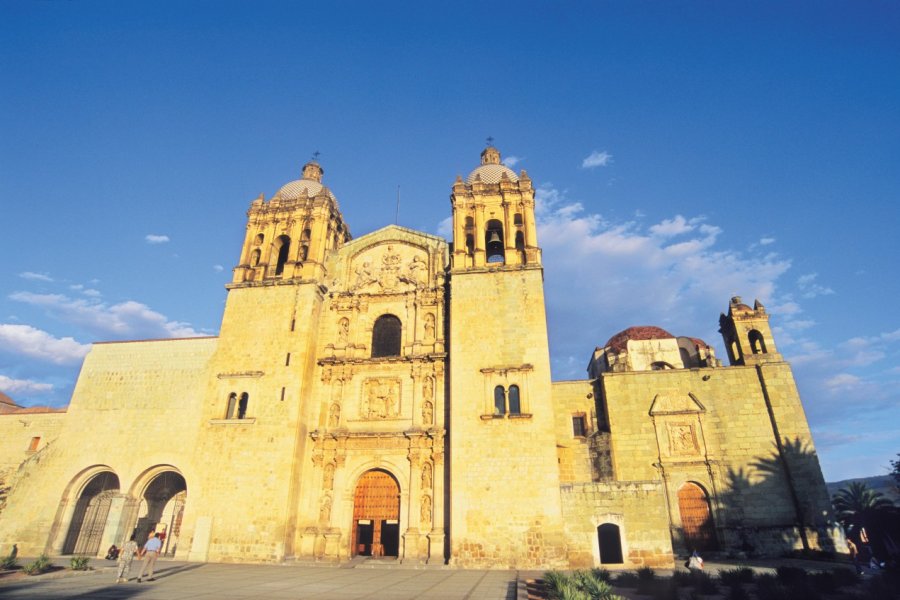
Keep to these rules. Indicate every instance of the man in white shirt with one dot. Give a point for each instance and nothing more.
(151, 553)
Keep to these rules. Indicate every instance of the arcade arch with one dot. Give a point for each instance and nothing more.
(89, 518)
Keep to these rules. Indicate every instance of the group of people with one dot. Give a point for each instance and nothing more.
(125, 555)
(858, 554)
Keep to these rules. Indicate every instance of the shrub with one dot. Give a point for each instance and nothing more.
(40, 565)
(823, 581)
(8, 563)
(682, 578)
(79, 563)
(626, 579)
(788, 575)
(732, 577)
(665, 589)
(703, 583)
(844, 577)
(737, 592)
(601, 575)
(768, 587)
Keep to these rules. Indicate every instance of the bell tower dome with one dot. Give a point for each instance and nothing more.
(289, 236)
(493, 217)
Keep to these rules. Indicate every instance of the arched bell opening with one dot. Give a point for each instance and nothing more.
(495, 251)
(283, 245)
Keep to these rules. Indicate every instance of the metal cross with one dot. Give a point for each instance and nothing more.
(316, 155)
(490, 141)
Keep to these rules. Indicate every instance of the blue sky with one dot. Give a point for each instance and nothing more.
(684, 152)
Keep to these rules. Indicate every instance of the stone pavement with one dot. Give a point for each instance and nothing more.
(182, 580)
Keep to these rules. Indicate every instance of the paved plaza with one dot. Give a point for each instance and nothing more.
(177, 580)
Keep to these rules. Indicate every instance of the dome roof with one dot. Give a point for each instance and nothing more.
(309, 185)
(301, 187)
(491, 174)
(491, 169)
(643, 332)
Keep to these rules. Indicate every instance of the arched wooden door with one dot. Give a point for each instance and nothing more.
(376, 515)
(91, 513)
(696, 518)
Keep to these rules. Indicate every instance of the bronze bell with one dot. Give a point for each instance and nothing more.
(494, 239)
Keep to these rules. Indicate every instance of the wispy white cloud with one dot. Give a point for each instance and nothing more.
(153, 238)
(9, 385)
(445, 228)
(511, 161)
(597, 159)
(218, 268)
(766, 241)
(35, 343)
(809, 288)
(124, 320)
(842, 380)
(31, 276)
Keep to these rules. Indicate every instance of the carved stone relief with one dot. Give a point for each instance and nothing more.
(334, 415)
(429, 327)
(328, 477)
(426, 510)
(682, 440)
(380, 399)
(426, 477)
(343, 330)
(427, 413)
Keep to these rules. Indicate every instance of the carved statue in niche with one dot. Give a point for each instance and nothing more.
(427, 413)
(381, 399)
(328, 477)
(426, 477)
(426, 510)
(325, 509)
(344, 330)
(681, 439)
(334, 416)
(428, 388)
(429, 326)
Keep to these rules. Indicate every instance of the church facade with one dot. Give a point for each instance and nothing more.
(391, 396)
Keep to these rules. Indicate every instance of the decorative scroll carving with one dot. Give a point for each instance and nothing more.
(381, 399)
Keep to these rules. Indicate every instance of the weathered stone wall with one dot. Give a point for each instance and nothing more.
(135, 408)
(17, 430)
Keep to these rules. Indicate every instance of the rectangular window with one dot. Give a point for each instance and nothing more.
(282, 394)
(287, 361)
(578, 428)
(33, 445)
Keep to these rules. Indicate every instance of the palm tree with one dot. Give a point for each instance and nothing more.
(856, 502)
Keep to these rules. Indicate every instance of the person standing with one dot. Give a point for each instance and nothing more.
(126, 555)
(151, 553)
(854, 556)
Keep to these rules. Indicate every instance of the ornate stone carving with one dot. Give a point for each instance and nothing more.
(426, 477)
(343, 330)
(429, 327)
(416, 272)
(381, 399)
(334, 415)
(325, 509)
(682, 440)
(427, 413)
(328, 477)
(425, 515)
(428, 388)
(389, 276)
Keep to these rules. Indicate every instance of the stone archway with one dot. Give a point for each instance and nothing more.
(161, 509)
(696, 517)
(90, 515)
(376, 515)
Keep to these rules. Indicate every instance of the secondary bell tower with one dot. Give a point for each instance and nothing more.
(502, 439)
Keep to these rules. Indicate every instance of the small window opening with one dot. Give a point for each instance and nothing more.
(242, 406)
(259, 239)
(515, 407)
(470, 244)
(578, 426)
(304, 237)
(232, 403)
(386, 336)
(470, 223)
(282, 394)
(33, 445)
(517, 220)
(287, 360)
(304, 252)
(284, 245)
(499, 400)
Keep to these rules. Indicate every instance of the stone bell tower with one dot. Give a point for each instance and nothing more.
(288, 237)
(259, 393)
(747, 335)
(505, 501)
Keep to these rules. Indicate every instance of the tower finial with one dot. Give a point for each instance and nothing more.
(490, 140)
(315, 155)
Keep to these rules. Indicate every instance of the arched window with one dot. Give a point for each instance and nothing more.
(686, 358)
(499, 400)
(304, 237)
(283, 244)
(610, 544)
(660, 366)
(470, 223)
(304, 252)
(470, 244)
(757, 343)
(242, 405)
(493, 242)
(232, 403)
(515, 407)
(259, 239)
(386, 336)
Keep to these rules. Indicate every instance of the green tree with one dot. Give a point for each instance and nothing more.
(856, 502)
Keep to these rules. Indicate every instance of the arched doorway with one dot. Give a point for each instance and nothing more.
(91, 512)
(610, 544)
(696, 518)
(376, 515)
(161, 510)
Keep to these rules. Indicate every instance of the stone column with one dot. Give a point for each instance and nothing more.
(412, 534)
(436, 535)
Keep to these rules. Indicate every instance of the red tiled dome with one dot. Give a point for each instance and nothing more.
(641, 332)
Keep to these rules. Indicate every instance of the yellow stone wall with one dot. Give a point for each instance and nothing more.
(135, 407)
